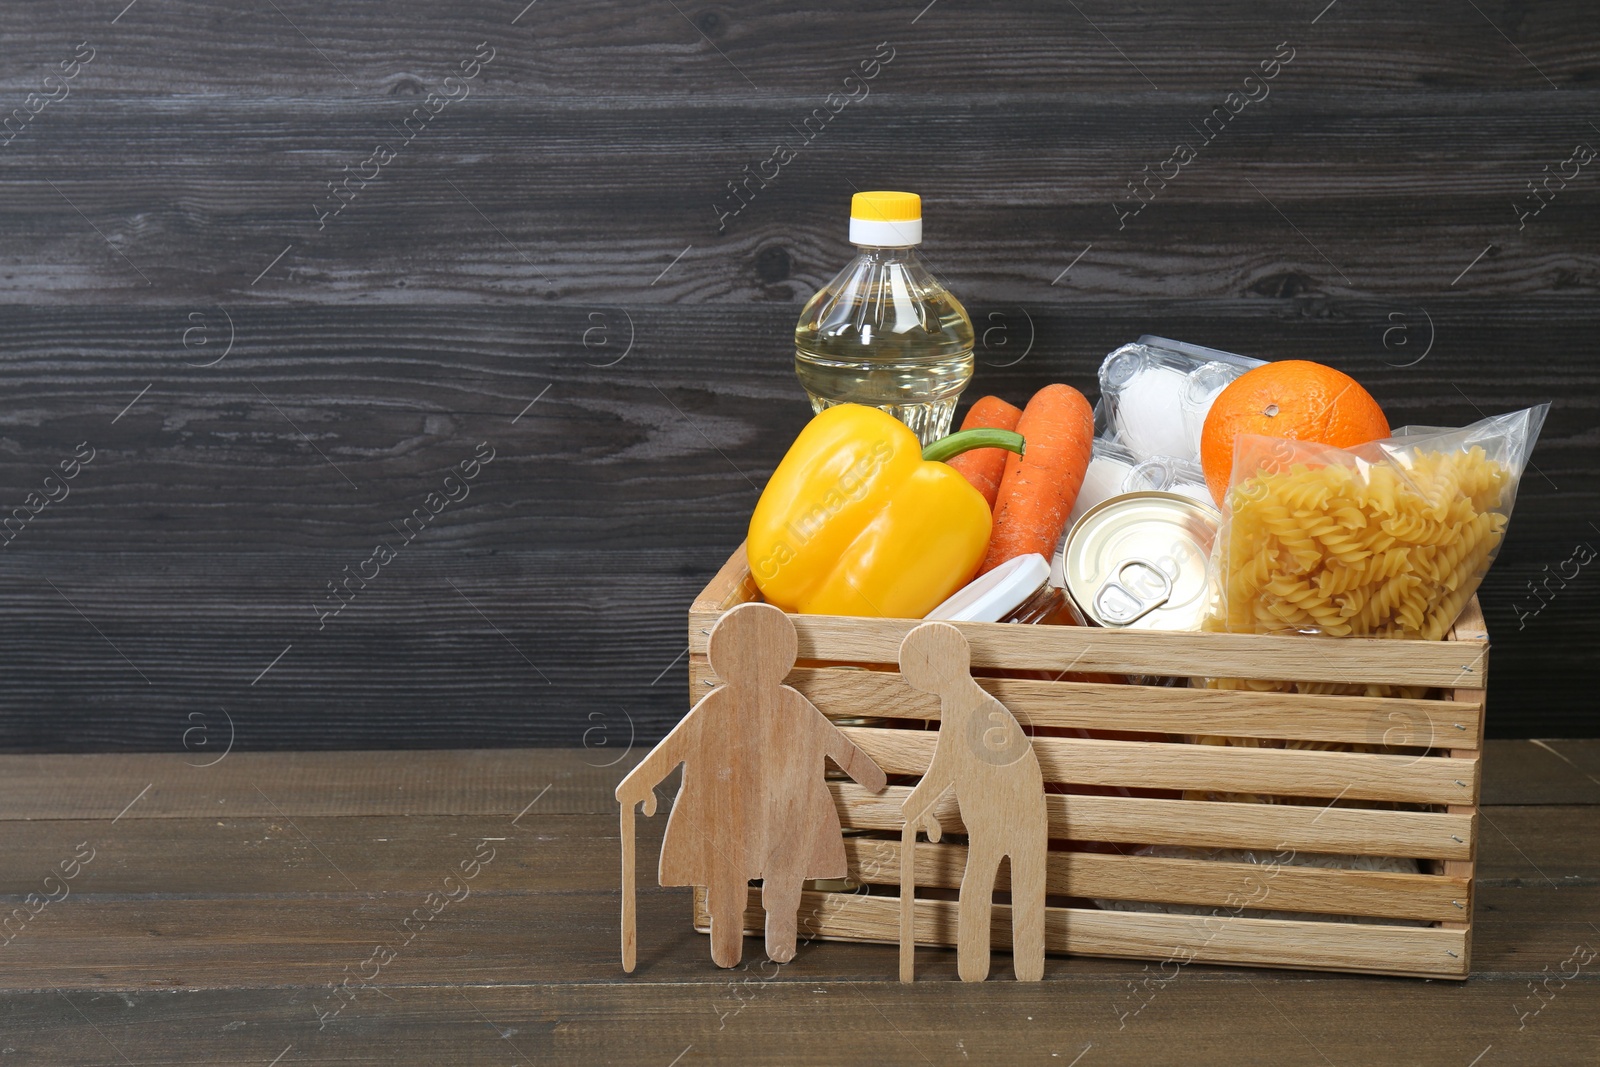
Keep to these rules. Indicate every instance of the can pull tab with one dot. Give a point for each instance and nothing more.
(1126, 598)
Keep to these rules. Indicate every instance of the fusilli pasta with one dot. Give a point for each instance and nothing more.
(1383, 551)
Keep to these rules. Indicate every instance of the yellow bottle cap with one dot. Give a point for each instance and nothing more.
(886, 207)
(886, 219)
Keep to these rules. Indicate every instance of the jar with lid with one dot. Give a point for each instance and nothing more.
(1019, 590)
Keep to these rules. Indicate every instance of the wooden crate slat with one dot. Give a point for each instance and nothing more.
(1096, 875)
(1436, 664)
(843, 692)
(1410, 951)
(1204, 824)
(1087, 649)
(1159, 765)
(731, 585)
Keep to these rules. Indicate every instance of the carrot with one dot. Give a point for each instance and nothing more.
(1039, 487)
(983, 467)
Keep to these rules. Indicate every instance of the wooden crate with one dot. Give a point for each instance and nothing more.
(1424, 787)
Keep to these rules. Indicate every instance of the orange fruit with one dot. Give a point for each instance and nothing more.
(1292, 398)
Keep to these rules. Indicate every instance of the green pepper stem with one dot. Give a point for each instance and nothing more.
(966, 440)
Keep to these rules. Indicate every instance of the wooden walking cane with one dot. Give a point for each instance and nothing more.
(908, 885)
(908, 902)
(630, 927)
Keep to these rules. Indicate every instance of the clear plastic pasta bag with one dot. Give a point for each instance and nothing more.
(1388, 539)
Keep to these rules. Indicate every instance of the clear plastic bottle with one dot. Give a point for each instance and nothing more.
(884, 332)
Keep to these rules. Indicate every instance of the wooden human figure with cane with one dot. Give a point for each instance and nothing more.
(983, 754)
(754, 802)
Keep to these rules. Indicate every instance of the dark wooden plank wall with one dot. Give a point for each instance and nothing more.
(554, 236)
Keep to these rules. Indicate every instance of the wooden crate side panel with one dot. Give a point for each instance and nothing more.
(842, 692)
(1469, 626)
(1203, 824)
(1406, 951)
(729, 587)
(1270, 886)
(1159, 765)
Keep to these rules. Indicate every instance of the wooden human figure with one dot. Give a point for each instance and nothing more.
(982, 753)
(754, 802)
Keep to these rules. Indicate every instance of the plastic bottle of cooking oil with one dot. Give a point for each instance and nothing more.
(884, 332)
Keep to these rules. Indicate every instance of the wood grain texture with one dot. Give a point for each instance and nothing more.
(984, 761)
(1142, 820)
(877, 642)
(1470, 626)
(194, 573)
(1412, 951)
(1059, 649)
(1549, 772)
(1159, 709)
(1094, 875)
(565, 213)
(992, 763)
(1155, 765)
(1028, 45)
(516, 200)
(196, 916)
(578, 1022)
(265, 856)
(44, 787)
(753, 801)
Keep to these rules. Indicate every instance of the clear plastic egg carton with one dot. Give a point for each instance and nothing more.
(1155, 393)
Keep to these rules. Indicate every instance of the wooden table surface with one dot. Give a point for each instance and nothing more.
(222, 904)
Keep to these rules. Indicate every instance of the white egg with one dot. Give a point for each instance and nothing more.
(1149, 414)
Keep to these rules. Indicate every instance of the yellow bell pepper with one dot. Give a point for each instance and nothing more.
(859, 519)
